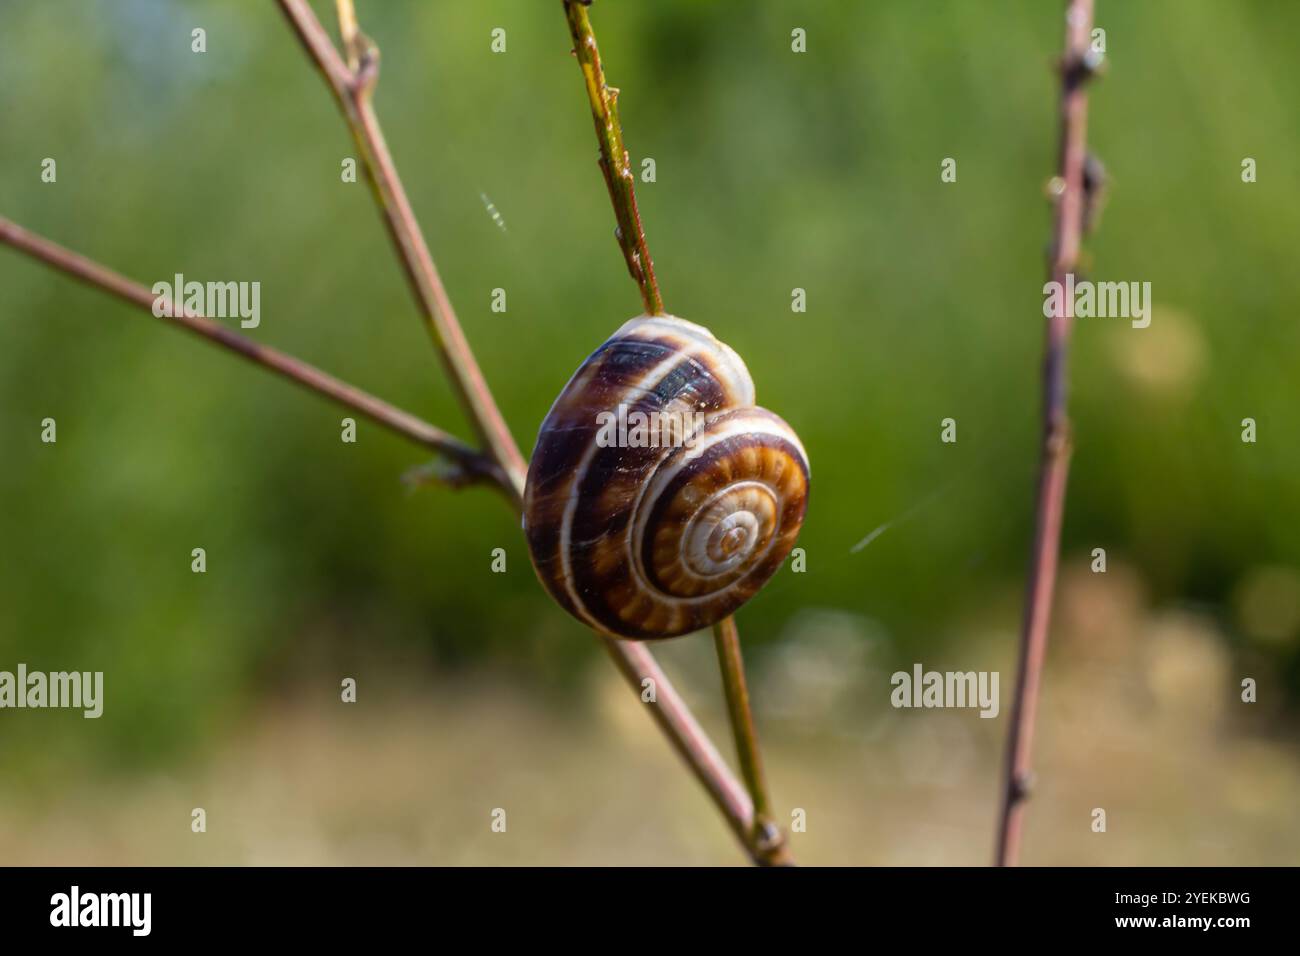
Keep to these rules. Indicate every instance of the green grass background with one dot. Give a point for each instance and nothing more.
(774, 171)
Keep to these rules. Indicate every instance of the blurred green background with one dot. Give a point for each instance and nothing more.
(775, 170)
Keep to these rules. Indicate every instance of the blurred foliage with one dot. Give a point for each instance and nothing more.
(1135, 722)
(775, 171)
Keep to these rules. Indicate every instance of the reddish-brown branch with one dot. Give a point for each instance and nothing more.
(470, 465)
(1067, 234)
(637, 664)
(353, 90)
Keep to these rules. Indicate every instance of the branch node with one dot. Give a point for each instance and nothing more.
(1058, 437)
(438, 472)
(1095, 180)
(1080, 66)
(768, 837)
(1022, 785)
(367, 73)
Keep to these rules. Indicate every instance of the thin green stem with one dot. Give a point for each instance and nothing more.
(766, 841)
(614, 162)
(353, 42)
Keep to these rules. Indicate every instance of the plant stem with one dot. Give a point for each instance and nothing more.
(766, 841)
(1076, 68)
(353, 43)
(471, 466)
(762, 838)
(614, 162)
(354, 90)
(637, 664)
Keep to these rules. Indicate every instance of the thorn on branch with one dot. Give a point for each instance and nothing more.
(1022, 785)
(1095, 181)
(768, 836)
(367, 72)
(440, 471)
(1058, 443)
(1080, 66)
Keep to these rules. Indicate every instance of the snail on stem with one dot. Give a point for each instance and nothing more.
(673, 531)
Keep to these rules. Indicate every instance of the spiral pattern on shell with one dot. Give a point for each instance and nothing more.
(659, 498)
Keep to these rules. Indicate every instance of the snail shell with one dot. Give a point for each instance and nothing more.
(656, 531)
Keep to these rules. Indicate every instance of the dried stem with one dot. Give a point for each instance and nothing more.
(353, 87)
(469, 465)
(766, 841)
(1076, 68)
(762, 838)
(614, 162)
